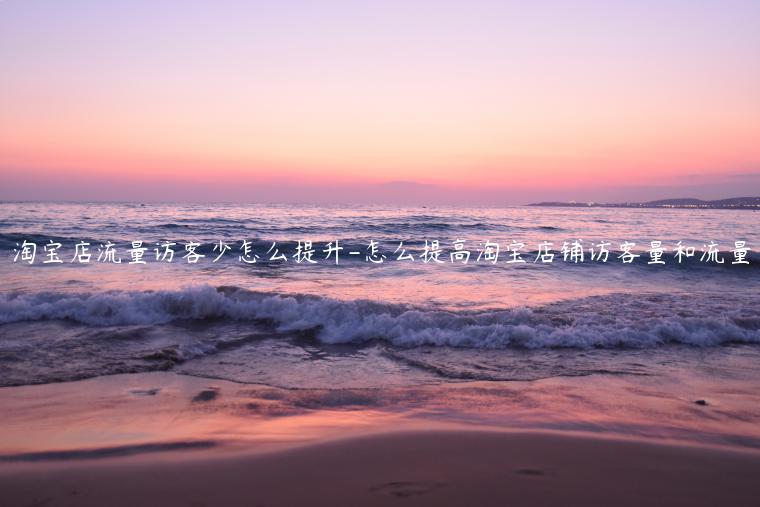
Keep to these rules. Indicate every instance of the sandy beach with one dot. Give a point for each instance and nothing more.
(408, 468)
(164, 439)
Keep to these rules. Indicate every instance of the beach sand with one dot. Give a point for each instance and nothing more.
(409, 468)
(163, 439)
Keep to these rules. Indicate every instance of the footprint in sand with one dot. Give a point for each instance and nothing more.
(209, 394)
(404, 489)
(146, 392)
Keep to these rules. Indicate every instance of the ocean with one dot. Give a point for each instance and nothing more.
(364, 323)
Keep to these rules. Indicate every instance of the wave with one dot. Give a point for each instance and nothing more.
(174, 226)
(622, 320)
(670, 260)
(260, 246)
(12, 240)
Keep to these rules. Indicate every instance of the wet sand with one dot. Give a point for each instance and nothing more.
(409, 468)
(164, 439)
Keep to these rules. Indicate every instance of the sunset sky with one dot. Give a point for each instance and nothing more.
(470, 101)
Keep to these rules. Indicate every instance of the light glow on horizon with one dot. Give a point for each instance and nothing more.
(540, 96)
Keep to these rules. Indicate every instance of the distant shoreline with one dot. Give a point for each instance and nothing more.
(745, 203)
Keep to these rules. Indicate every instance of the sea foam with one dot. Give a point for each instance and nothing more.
(617, 320)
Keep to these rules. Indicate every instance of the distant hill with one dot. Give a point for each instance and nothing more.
(689, 202)
(678, 202)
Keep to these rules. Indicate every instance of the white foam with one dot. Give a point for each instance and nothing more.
(601, 324)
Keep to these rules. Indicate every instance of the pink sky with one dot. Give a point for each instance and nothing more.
(500, 102)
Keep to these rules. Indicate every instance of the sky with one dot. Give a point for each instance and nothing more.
(492, 102)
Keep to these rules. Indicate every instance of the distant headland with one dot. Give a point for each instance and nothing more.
(752, 203)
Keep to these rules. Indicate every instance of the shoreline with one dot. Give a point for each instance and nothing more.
(100, 414)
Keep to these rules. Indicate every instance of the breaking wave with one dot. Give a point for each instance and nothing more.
(618, 320)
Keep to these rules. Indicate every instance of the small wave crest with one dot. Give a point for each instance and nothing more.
(621, 320)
